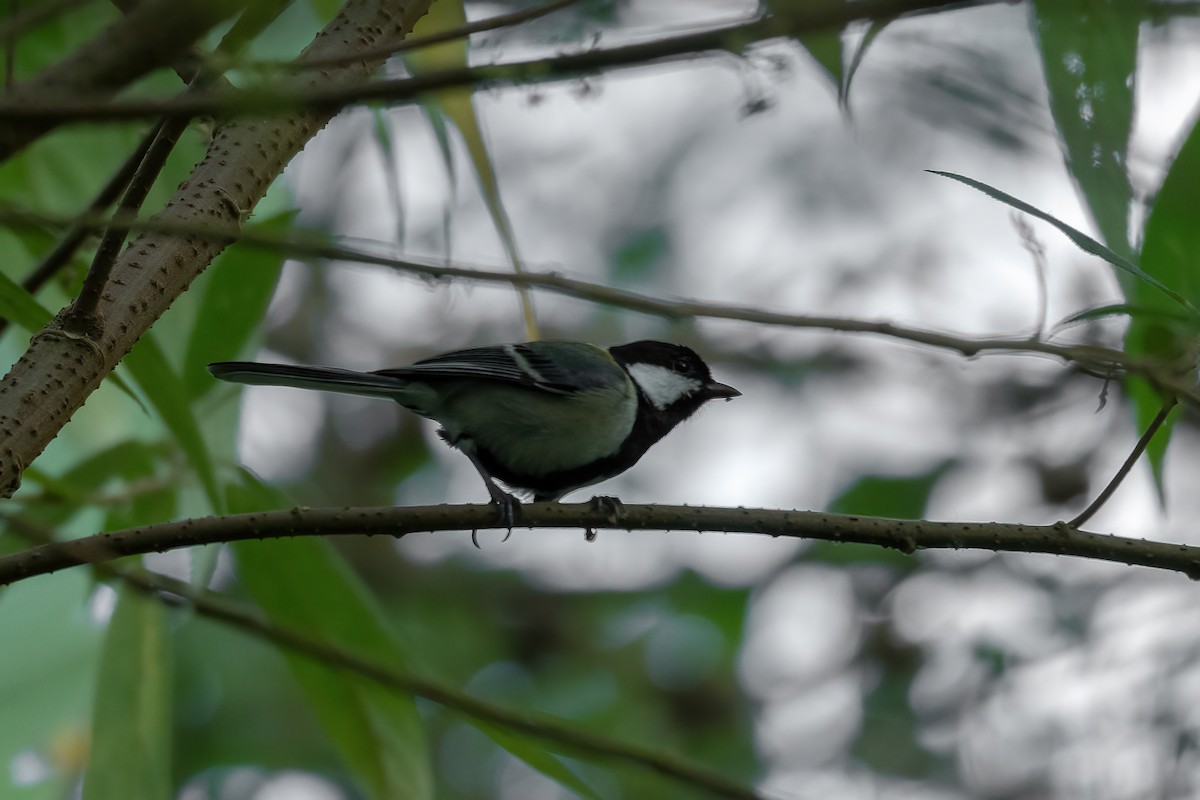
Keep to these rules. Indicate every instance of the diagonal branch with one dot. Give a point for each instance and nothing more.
(905, 535)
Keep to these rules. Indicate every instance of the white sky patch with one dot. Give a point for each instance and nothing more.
(661, 385)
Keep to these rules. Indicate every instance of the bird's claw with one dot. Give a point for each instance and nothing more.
(508, 510)
(611, 507)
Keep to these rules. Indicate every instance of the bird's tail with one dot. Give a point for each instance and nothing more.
(329, 379)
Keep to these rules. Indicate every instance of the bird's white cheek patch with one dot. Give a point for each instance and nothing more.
(662, 386)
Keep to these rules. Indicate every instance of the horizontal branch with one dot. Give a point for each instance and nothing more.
(1106, 362)
(258, 102)
(905, 535)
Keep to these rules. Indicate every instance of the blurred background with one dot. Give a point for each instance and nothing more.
(809, 670)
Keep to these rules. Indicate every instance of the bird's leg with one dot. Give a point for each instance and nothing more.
(508, 506)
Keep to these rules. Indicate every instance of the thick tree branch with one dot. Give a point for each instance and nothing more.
(60, 369)
(905, 535)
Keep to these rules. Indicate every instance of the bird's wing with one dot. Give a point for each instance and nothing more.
(536, 365)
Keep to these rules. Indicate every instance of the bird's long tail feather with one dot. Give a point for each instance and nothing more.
(329, 379)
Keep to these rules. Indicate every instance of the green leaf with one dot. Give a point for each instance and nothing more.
(1171, 242)
(48, 669)
(826, 49)
(238, 289)
(21, 307)
(1089, 55)
(880, 496)
(303, 584)
(131, 722)
(167, 395)
(457, 107)
(535, 755)
(1081, 239)
(1122, 310)
(889, 496)
(1170, 246)
(875, 28)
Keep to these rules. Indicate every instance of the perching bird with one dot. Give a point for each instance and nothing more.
(546, 417)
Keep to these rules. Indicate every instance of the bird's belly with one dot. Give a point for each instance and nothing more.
(533, 434)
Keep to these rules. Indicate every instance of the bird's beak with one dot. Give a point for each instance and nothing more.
(714, 389)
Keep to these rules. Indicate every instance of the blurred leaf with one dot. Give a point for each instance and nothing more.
(825, 47)
(889, 741)
(1171, 243)
(20, 307)
(1123, 310)
(640, 254)
(237, 293)
(131, 724)
(1170, 246)
(874, 28)
(68, 494)
(879, 496)
(1089, 55)
(47, 671)
(167, 394)
(326, 9)
(303, 584)
(887, 496)
(533, 753)
(457, 106)
(389, 155)
(1081, 240)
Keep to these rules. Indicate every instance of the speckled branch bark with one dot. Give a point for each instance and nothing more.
(59, 370)
(899, 534)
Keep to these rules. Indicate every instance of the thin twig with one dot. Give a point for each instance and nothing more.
(82, 315)
(1134, 455)
(287, 100)
(1103, 362)
(492, 23)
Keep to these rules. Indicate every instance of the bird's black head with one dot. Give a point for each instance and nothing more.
(671, 379)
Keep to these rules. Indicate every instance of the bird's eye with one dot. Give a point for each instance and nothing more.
(682, 365)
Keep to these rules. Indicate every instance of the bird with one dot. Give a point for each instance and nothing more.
(543, 417)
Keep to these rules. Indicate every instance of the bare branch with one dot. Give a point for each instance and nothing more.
(285, 99)
(905, 535)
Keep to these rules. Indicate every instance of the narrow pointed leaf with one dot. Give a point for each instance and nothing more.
(166, 393)
(304, 584)
(237, 291)
(1171, 250)
(1081, 239)
(131, 724)
(1089, 56)
(534, 754)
